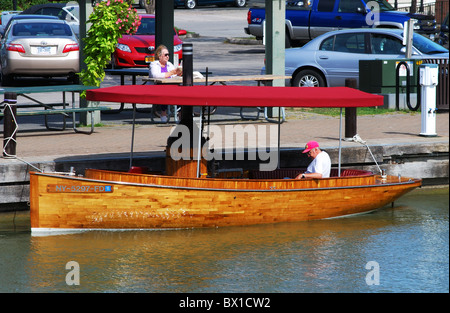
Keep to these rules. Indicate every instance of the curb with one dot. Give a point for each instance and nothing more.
(230, 40)
(243, 41)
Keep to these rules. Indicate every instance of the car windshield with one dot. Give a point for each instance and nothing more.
(41, 29)
(302, 4)
(147, 27)
(74, 10)
(384, 5)
(427, 46)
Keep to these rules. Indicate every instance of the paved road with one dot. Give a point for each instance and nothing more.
(213, 22)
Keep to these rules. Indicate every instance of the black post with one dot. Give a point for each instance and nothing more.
(350, 113)
(188, 80)
(9, 125)
(188, 64)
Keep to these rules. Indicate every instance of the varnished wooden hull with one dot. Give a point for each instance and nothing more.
(112, 200)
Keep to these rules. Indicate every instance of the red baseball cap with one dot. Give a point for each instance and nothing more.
(310, 145)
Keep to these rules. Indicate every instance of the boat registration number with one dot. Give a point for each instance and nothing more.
(79, 188)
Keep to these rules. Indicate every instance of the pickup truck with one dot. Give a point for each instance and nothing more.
(308, 19)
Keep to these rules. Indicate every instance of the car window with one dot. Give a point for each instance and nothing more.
(147, 27)
(52, 11)
(427, 46)
(350, 6)
(73, 13)
(383, 5)
(41, 29)
(327, 44)
(325, 5)
(385, 44)
(351, 43)
(299, 5)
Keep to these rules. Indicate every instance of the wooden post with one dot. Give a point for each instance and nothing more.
(9, 125)
(350, 113)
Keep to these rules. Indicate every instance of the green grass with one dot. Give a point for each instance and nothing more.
(335, 112)
(95, 125)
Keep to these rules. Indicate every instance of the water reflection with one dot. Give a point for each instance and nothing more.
(409, 242)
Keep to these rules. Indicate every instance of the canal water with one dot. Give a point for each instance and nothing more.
(404, 249)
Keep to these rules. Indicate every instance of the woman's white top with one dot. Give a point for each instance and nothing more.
(157, 71)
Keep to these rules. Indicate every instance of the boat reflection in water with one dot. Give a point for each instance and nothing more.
(409, 242)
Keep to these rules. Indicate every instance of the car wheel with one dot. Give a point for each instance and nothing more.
(241, 3)
(308, 78)
(190, 4)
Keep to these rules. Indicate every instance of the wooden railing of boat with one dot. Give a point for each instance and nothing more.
(274, 180)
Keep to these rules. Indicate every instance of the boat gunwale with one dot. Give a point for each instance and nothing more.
(387, 184)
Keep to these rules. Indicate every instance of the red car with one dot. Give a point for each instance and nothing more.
(132, 50)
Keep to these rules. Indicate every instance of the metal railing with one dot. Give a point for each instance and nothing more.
(424, 8)
(442, 89)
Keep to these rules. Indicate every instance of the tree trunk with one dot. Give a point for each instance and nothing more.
(413, 6)
(150, 6)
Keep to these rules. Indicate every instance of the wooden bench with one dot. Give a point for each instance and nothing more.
(26, 91)
(49, 108)
(65, 113)
(223, 80)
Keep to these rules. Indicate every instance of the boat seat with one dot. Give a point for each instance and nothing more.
(350, 172)
(276, 174)
(138, 170)
(293, 172)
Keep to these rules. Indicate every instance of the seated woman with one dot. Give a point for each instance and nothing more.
(162, 68)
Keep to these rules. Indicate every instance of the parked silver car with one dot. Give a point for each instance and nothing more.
(40, 48)
(334, 56)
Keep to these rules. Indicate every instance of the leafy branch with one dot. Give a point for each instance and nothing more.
(110, 20)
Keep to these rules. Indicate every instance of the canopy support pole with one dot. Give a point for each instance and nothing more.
(279, 137)
(132, 135)
(199, 144)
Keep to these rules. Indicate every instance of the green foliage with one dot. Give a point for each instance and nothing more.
(110, 20)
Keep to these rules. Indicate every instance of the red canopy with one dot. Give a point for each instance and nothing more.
(236, 96)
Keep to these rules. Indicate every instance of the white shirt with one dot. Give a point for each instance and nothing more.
(155, 69)
(321, 164)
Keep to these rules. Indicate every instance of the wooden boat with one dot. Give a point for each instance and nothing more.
(103, 199)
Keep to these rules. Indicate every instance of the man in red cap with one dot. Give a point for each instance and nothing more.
(320, 166)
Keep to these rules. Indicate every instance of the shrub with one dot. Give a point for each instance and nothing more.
(110, 20)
